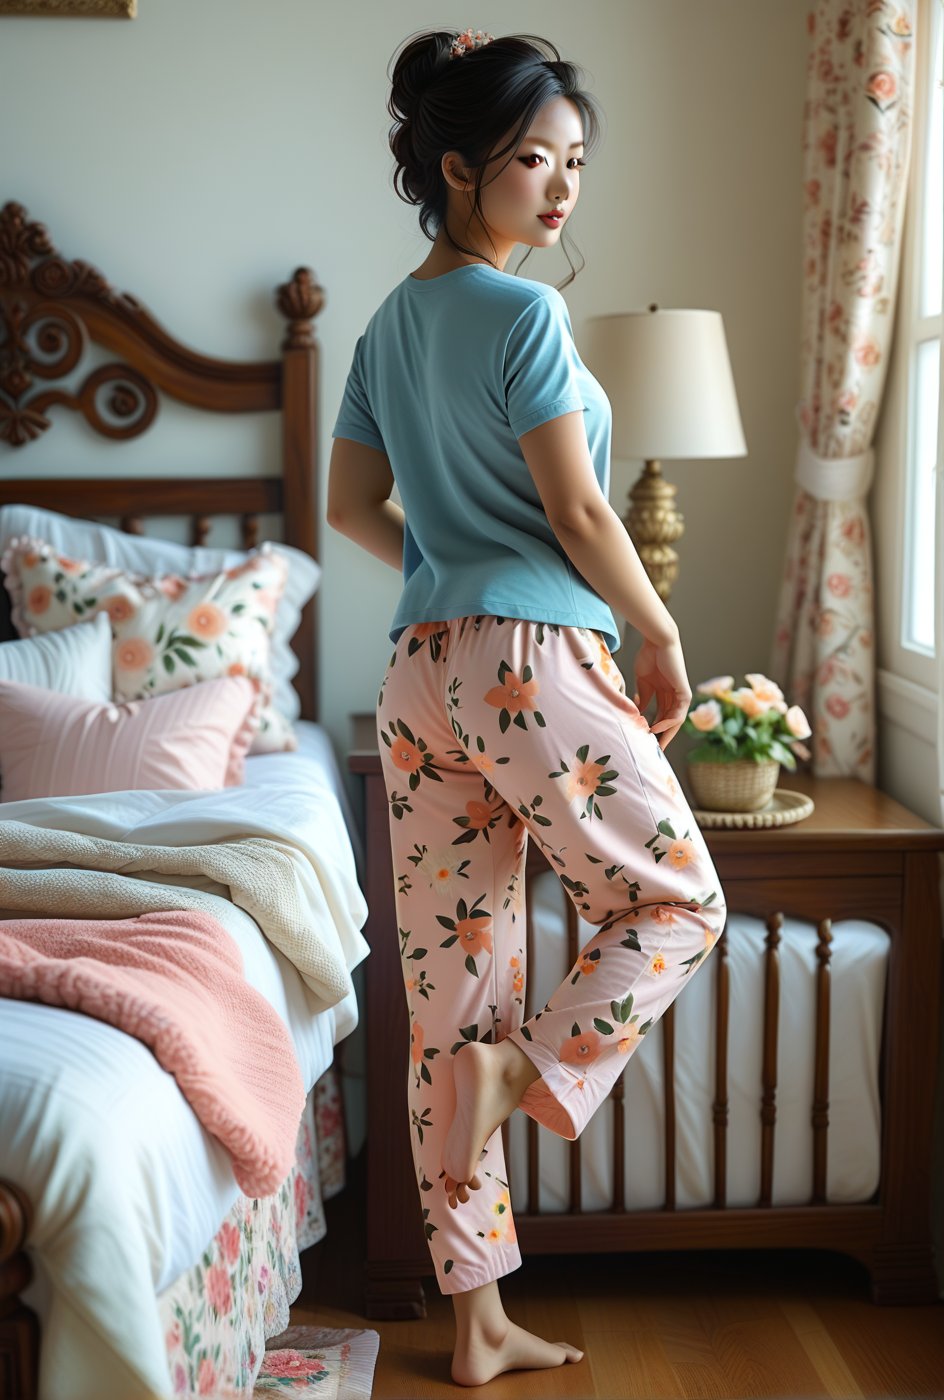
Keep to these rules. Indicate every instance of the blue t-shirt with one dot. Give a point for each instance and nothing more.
(449, 372)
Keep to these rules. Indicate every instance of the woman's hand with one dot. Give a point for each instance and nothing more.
(660, 671)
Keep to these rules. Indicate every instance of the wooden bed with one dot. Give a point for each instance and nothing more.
(59, 305)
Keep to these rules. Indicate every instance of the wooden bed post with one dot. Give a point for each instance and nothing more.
(299, 302)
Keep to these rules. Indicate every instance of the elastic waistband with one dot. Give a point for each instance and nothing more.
(457, 626)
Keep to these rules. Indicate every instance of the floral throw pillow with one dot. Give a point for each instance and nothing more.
(167, 631)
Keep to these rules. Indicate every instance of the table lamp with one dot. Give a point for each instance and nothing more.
(668, 378)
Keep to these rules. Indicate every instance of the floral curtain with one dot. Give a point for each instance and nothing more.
(857, 123)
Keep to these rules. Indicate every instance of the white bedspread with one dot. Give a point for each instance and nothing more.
(127, 1185)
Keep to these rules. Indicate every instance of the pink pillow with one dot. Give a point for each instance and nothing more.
(54, 745)
(168, 631)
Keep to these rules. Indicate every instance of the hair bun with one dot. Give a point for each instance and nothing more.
(418, 65)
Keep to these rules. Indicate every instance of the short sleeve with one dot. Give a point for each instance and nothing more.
(542, 368)
(355, 419)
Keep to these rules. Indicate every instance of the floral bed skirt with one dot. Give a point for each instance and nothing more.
(218, 1315)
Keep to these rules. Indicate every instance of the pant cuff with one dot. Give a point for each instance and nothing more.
(556, 1100)
(505, 1259)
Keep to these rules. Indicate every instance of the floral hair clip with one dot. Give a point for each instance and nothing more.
(466, 41)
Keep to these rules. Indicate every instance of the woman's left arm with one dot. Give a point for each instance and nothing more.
(360, 480)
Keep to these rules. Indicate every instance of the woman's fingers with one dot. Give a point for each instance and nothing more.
(668, 718)
(667, 730)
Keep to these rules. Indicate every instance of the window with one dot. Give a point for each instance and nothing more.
(921, 328)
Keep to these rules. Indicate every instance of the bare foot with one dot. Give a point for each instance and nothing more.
(484, 1099)
(478, 1358)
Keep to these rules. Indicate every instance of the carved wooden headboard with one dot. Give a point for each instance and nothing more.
(51, 308)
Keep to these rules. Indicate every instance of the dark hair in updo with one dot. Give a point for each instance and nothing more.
(467, 104)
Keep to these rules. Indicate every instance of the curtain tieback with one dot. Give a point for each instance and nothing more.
(833, 478)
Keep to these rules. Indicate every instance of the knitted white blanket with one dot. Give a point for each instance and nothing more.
(68, 874)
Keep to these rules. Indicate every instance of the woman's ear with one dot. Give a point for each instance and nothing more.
(454, 171)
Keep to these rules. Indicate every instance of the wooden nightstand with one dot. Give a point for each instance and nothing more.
(860, 854)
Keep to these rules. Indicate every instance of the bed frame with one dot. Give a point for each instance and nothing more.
(50, 309)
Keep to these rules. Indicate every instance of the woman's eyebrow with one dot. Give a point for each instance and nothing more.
(543, 141)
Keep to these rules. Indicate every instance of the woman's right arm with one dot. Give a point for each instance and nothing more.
(360, 480)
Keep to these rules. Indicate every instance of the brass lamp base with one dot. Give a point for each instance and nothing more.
(654, 524)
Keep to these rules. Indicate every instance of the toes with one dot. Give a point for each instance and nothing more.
(573, 1353)
(461, 1188)
(455, 1189)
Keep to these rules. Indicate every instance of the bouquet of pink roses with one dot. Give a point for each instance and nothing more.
(751, 722)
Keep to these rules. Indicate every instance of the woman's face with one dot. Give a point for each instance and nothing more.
(543, 174)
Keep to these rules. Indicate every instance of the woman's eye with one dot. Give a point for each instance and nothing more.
(534, 156)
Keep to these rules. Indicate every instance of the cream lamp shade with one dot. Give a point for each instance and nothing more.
(668, 378)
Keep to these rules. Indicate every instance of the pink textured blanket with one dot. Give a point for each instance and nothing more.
(174, 980)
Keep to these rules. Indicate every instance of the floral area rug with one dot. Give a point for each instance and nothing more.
(327, 1363)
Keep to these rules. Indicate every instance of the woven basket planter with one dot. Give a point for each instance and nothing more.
(741, 786)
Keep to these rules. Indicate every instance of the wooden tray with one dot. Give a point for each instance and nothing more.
(783, 808)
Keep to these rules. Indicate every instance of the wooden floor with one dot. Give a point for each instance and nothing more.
(736, 1323)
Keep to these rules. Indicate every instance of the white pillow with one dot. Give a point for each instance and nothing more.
(86, 539)
(74, 661)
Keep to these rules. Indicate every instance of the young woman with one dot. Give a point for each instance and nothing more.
(501, 714)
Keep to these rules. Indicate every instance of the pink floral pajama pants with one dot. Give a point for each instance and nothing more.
(492, 730)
